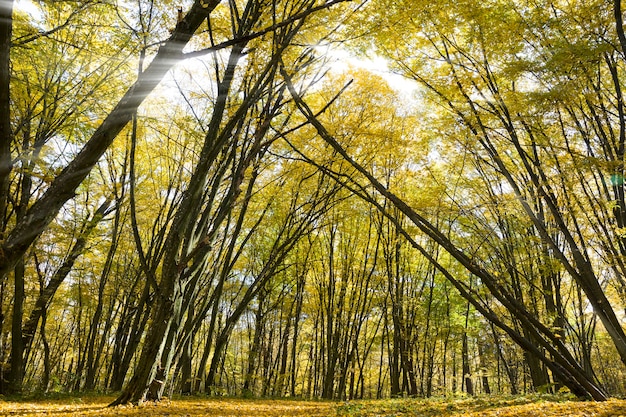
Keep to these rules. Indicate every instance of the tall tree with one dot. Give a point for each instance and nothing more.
(564, 365)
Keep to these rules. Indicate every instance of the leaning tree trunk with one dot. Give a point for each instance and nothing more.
(164, 310)
(561, 364)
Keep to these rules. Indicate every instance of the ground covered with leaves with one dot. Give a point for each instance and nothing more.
(202, 406)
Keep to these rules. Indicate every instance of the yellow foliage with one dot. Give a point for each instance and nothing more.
(612, 408)
(97, 406)
(194, 406)
(487, 406)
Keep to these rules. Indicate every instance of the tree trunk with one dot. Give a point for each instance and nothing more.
(146, 369)
(18, 341)
(466, 369)
(511, 375)
(47, 368)
(296, 328)
(580, 384)
(16, 374)
(284, 354)
(6, 133)
(128, 336)
(259, 331)
(201, 374)
(92, 363)
(483, 367)
(6, 160)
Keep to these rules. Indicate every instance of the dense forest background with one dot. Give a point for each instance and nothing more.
(323, 199)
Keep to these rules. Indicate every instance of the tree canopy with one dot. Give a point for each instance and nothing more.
(323, 199)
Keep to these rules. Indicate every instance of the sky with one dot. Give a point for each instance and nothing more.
(28, 7)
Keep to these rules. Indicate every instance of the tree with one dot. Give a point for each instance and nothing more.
(33, 215)
(268, 223)
(564, 366)
(198, 217)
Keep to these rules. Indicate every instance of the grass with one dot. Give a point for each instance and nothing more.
(230, 407)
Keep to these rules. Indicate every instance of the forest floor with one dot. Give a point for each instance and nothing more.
(226, 407)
